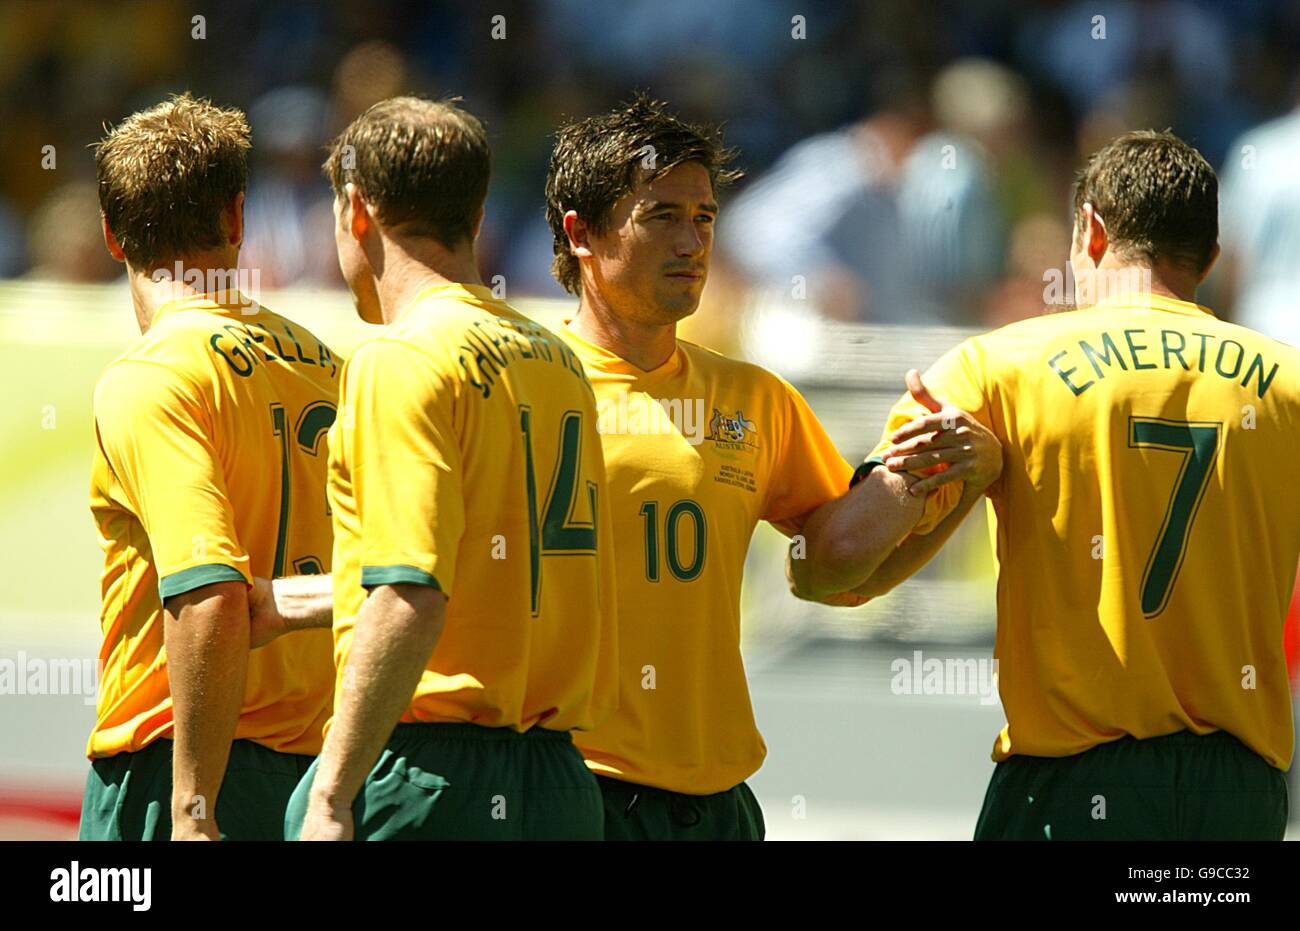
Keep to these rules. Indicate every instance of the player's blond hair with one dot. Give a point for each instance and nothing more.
(165, 175)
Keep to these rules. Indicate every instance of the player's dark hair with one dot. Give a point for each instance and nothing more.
(601, 158)
(165, 174)
(1158, 196)
(423, 164)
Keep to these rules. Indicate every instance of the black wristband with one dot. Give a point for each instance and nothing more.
(863, 471)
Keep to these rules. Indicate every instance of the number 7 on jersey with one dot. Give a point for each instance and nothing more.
(1198, 442)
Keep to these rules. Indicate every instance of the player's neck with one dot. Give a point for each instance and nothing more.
(1116, 281)
(412, 266)
(647, 346)
(165, 283)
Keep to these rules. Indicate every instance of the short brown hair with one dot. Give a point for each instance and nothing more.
(424, 164)
(1158, 196)
(600, 159)
(165, 175)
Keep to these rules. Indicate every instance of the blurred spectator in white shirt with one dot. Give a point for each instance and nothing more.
(1259, 215)
(289, 236)
(887, 220)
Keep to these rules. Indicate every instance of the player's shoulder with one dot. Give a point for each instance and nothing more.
(294, 328)
(989, 356)
(434, 325)
(1007, 347)
(181, 339)
(432, 335)
(169, 354)
(139, 383)
(1008, 342)
(1268, 348)
(1239, 331)
(717, 367)
(1031, 328)
(394, 352)
(1207, 321)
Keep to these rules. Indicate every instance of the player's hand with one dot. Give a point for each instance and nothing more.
(843, 600)
(946, 445)
(324, 823)
(265, 620)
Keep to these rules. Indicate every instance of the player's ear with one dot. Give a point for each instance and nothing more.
(478, 223)
(356, 212)
(1095, 240)
(1214, 257)
(110, 241)
(579, 234)
(235, 221)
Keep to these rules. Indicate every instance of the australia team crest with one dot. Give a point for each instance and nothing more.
(733, 431)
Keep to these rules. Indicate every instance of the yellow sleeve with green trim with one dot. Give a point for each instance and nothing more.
(955, 381)
(157, 436)
(808, 470)
(407, 466)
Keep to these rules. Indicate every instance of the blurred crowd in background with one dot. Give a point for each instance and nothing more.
(907, 161)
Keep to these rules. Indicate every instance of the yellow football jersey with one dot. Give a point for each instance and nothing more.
(467, 458)
(1147, 524)
(697, 452)
(210, 467)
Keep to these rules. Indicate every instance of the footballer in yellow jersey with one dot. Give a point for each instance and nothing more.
(466, 460)
(698, 449)
(209, 469)
(475, 617)
(686, 500)
(1147, 529)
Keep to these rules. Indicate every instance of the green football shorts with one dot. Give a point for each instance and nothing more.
(1177, 787)
(466, 782)
(637, 812)
(129, 796)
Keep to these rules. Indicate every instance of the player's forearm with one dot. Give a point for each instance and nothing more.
(918, 549)
(206, 637)
(397, 629)
(847, 539)
(282, 606)
(305, 601)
